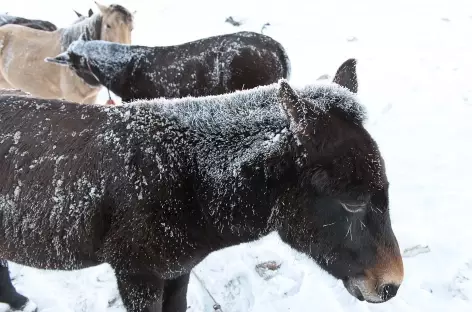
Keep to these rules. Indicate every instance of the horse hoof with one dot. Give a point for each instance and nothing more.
(28, 307)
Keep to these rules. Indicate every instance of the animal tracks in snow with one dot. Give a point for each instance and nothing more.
(238, 295)
(461, 285)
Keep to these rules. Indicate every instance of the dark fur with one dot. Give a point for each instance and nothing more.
(6, 19)
(211, 66)
(153, 187)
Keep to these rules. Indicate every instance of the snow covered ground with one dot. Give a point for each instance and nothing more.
(415, 64)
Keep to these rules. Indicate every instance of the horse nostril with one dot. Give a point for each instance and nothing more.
(388, 291)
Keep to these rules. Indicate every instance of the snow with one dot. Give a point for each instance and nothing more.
(414, 78)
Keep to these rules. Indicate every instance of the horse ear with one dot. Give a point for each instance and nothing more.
(290, 102)
(101, 7)
(346, 75)
(90, 12)
(78, 14)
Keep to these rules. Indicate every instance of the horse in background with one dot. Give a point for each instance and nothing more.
(6, 19)
(23, 51)
(208, 66)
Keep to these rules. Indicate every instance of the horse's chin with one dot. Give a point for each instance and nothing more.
(91, 82)
(353, 290)
(86, 77)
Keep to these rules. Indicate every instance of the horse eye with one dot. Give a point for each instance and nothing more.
(108, 26)
(353, 206)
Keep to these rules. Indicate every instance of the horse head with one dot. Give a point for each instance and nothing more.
(342, 217)
(77, 62)
(117, 23)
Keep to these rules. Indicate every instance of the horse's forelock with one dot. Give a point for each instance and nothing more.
(125, 13)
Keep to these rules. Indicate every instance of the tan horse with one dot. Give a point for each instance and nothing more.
(23, 50)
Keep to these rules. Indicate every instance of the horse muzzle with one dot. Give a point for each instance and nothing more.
(61, 59)
(365, 290)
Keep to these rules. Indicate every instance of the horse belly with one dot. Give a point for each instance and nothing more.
(44, 239)
(44, 247)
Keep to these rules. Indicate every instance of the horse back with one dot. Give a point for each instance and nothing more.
(258, 60)
(23, 50)
(36, 24)
(210, 66)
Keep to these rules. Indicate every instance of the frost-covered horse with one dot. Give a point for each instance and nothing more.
(23, 51)
(153, 187)
(6, 19)
(210, 66)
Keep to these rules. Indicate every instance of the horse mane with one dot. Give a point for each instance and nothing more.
(73, 32)
(335, 100)
(230, 112)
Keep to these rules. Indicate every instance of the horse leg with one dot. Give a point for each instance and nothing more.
(140, 291)
(8, 293)
(175, 294)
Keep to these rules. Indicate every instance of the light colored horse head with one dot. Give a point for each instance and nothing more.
(117, 23)
(112, 23)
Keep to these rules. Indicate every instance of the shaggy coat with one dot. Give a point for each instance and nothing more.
(153, 187)
(210, 66)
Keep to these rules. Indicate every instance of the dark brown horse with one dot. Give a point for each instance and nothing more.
(210, 66)
(153, 187)
(6, 19)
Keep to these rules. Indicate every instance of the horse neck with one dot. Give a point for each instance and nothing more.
(254, 203)
(242, 174)
(71, 33)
